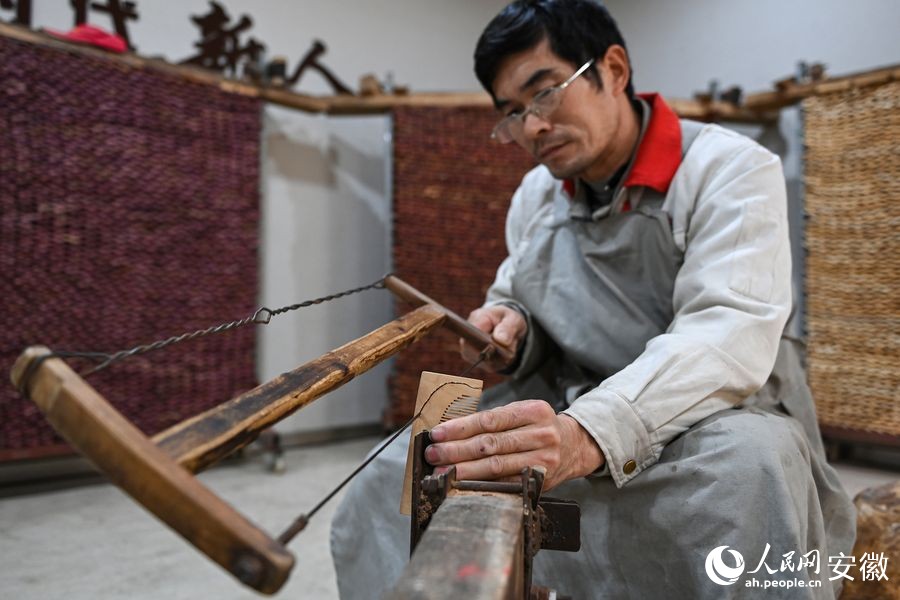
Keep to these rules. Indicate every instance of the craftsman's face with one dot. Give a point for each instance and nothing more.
(576, 139)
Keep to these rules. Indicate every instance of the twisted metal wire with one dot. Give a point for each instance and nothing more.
(262, 316)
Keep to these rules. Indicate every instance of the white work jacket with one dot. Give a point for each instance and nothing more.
(726, 203)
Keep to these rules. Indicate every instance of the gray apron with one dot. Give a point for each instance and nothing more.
(599, 290)
(613, 278)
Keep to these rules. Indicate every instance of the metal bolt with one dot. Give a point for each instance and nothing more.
(248, 569)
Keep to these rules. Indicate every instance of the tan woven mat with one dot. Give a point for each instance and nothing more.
(853, 260)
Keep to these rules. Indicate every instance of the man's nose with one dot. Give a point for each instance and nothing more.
(534, 125)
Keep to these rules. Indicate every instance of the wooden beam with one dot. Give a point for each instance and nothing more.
(206, 438)
(368, 105)
(151, 476)
(774, 100)
(336, 105)
(756, 108)
(130, 60)
(715, 112)
(473, 548)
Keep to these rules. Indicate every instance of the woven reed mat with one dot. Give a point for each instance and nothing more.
(128, 212)
(853, 261)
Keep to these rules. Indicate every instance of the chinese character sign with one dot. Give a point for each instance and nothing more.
(119, 13)
(220, 47)
(21, 8)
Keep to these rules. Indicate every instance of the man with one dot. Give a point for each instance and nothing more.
(646, 290)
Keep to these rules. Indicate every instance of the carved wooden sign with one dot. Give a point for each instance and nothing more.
(223, 44)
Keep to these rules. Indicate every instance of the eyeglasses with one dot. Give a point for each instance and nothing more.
(544, 103)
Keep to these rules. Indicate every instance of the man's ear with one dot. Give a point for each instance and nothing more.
(615, 63)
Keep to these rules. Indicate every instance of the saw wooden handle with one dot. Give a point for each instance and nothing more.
(460, 326)
(206, 438)
(150, 476)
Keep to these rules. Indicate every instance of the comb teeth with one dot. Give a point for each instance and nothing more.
(461, 407)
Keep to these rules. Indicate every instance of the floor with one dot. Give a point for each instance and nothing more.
(93, 542)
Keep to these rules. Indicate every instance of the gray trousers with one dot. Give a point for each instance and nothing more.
(743, 478)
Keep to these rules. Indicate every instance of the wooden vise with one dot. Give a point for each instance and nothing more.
(478, 539)
(158, 472)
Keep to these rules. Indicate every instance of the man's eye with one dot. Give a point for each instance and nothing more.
(544, 93)
(514, 114)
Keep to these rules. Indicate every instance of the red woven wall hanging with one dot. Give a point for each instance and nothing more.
(128, 212)
(452, 187)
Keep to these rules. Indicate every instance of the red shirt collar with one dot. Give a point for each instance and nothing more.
(659, 153)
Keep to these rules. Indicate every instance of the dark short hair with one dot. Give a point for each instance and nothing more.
(577, 30)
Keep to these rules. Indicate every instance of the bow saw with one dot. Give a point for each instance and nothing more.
(158, 472)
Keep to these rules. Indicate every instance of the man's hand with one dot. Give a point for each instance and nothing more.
(505, 325)
(499, 443)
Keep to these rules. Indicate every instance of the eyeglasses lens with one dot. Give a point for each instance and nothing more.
(542, 106)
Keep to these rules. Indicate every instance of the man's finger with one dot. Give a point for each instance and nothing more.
(500, 465)
(503, 418)
(509, 329)
(504, 335)
(483, 445)
(482, 320)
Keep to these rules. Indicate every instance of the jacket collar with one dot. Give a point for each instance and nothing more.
(659, 153)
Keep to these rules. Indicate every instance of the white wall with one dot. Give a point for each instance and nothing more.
(326, 213)
(677, 47)
(326, 227)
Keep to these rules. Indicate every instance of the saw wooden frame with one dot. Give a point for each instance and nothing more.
(158, 472)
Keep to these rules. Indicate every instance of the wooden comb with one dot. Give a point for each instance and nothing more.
(460, 407)
(440, 398)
